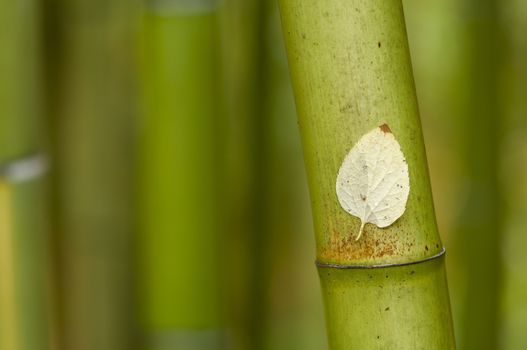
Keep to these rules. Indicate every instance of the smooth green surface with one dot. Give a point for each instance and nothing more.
(30, 232)
(178, 242)
(92, 105)
(19, 80)
(389, 308)
(269, 238)
(244, 161)
(351, 72)
(480, 225)
(24, 314)
(514, 303)
(294, 314)
(24, 289)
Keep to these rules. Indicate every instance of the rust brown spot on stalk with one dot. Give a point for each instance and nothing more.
(344, 248)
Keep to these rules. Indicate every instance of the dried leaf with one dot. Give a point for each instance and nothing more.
(373, 182)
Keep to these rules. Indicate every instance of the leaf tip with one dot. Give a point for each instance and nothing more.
(385, 128)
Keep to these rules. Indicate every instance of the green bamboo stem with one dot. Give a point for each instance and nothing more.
(19, 84)
(23, 235)
(179, 182)
(8, 317)
(351, 72)
(245, 190)
(480, 225)
(514, 279)
(24, 291)
(91, 101)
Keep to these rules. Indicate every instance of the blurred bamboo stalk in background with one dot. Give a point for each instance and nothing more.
(178, 245)
(91, 70)
(351, 72)
(294, 316)
(244, 158)
(24, 282)
(480, 225)
(266, 213)
(513, 172)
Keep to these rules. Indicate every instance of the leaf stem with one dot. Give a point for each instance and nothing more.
(360, 230)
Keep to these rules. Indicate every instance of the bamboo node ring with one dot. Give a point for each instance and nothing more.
(381, 266)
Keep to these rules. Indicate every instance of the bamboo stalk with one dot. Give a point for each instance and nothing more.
(514, 222)
(178, 243)
(8, 317)
(24, 307)
(244, 96)
(351, 72)
(19, 84)
(25, 313)
(241, 53)
(480, 224)
(92, 105)
(263, 192)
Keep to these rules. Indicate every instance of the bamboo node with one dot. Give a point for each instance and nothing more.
(381, 266)
(24, 168)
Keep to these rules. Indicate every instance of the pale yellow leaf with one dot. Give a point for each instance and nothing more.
(373, 182)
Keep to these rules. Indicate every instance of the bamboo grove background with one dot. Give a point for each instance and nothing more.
(113, 116)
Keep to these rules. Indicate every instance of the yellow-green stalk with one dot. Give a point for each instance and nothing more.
(246, 223)
(480, 224)
(91, 68)
(179, 281)
(351, 72)
(24, 283)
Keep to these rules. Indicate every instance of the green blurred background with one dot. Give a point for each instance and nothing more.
(174, 211)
